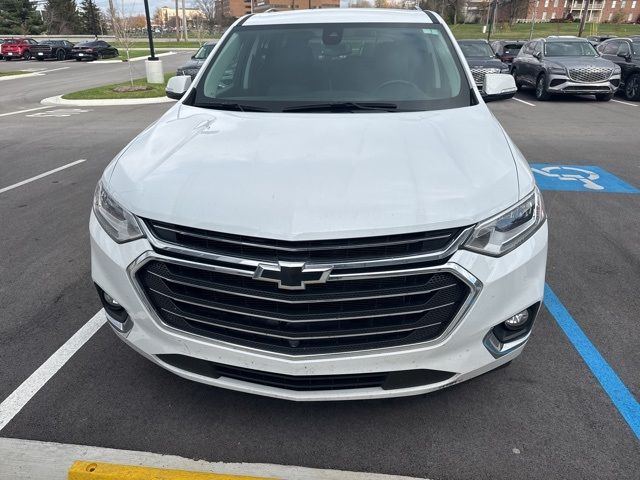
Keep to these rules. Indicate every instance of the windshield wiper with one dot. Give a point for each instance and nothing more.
(239, 107)
(344, 107)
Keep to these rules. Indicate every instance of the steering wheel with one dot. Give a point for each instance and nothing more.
(399, 82)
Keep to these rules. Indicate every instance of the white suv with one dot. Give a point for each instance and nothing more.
(330, 212)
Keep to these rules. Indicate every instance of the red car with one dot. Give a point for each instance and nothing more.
(17, 48)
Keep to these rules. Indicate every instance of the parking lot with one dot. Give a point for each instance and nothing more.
(566, 408)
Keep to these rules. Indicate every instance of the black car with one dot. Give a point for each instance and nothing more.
(94, 50)
(625, 52)
(58, 49)
(192, 67)
(507, 50)
(481, 59)
(565, 65)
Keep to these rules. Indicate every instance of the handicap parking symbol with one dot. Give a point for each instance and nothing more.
(578, 178)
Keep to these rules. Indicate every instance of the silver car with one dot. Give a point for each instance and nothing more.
(565, 65)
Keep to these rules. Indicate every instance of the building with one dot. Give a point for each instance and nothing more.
(600, 11)
(238, 8)
(167, 15)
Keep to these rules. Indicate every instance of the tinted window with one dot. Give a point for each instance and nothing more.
(609, 48)
(283, 66)
(512, 48)
(623, 49)
(635, 45)
(569, 49)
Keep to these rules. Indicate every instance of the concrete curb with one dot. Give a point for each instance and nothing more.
(35, 460)
(136, 59)
(115, 102)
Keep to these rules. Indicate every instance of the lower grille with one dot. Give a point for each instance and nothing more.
(384, 380)
(479, 74)
(346, 315)
(590, 74)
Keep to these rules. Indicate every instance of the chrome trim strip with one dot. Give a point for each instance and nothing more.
(474, 284)
(282, 319)
(291, 249)
(265, 334)
(312, 300)
(250, 263)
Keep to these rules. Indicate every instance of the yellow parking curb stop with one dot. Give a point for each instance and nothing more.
(82, 470)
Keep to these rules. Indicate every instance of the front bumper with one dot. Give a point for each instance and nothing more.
(509, 285)
(83, 55)
(563, 85)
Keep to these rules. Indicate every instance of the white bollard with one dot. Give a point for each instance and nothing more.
(154, 71)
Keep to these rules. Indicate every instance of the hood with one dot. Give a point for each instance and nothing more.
(193, 63)
(485, 62)
(572, 62)
(303, 176)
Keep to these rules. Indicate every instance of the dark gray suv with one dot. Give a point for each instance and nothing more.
(565, 65)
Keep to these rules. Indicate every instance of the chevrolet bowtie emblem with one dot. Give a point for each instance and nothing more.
(291, 275)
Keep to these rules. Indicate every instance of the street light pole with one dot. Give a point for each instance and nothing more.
(149, 31)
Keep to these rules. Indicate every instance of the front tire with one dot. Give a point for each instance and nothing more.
(542, 93)
(632, 87)
(61, 55)
(27, 55)
(604, 97)
(514, 74)
(7, 59)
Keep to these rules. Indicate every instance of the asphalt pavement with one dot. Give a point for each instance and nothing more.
(545, 416)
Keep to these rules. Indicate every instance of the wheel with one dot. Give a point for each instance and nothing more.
(604, 97)
(542, 93)
(60, 55)
(99, 56)
(632, 87)
(27, 55)
(116, 53)
(7, 59)
(515, 77)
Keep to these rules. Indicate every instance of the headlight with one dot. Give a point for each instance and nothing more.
(502, 233)
(116, 221)
(557, 70)
(505, 70)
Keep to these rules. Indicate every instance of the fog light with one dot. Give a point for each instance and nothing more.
(111, 301)
(517, 321)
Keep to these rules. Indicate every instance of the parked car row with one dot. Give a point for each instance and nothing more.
(561, 65)
(28, 48)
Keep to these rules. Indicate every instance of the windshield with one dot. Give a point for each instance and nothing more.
(203, 52)
(406, 67)
(476, 50)
(569, 49)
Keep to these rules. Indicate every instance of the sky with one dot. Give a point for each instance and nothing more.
(136, 7)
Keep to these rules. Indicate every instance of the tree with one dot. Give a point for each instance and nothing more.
(61, 17)
(90, 17)
(19, 17)
(208, 10)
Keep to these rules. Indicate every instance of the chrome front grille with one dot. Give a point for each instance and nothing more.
(590, 74)
(480, 72)
(360, 305)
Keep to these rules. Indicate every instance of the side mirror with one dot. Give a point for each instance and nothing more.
(626, 56)
(498, 86)
(178, 86)
(538, 55)
(497, 55)
(193, 56)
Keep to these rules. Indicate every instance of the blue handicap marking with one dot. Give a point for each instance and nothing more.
(578, 178)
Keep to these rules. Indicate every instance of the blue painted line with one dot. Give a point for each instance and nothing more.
(619, 394)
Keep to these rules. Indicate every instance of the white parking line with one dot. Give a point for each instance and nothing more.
(23, 111)
(625, 103)
(15, 402)
(37, 177)
(522, 101)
